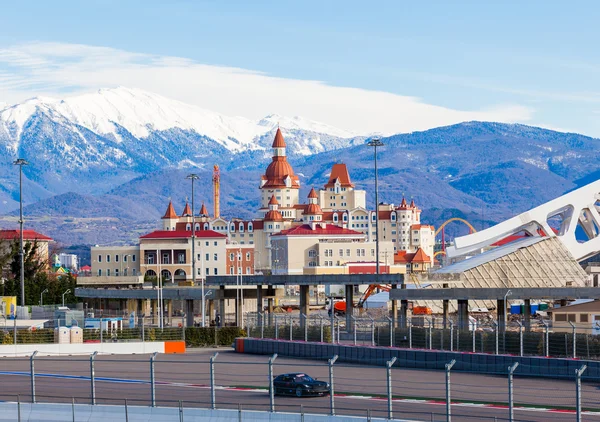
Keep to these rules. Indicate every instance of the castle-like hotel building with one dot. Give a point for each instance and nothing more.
(332, 232)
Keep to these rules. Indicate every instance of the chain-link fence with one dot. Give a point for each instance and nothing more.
(235, 381)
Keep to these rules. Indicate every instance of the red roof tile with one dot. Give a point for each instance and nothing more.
(421, 257)
(273, 201)
(179, 234)
(313, 209)
(306, 230)
(170, 211)
(187, 210)
(278, 142)
(203, 210)
(27, 235)
(313, 194)
(339, 172)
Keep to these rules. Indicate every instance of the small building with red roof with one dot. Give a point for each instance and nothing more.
(8, 236)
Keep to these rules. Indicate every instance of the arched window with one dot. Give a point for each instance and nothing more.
(335, 218)
(241, 227)
(250, 228)
(232, 227)
(205, 226)
(197, 227)
(345, 217)
(393, 217)
(188, 227)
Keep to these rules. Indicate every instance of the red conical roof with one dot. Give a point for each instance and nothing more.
(412, 203)
(273, 201)
(278, 142)
(403, 204)
(312, 194)
(186, 210)
(339, 172)
(203, 210)
(170, 211)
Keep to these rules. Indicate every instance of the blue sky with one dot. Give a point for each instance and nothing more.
(531, 62)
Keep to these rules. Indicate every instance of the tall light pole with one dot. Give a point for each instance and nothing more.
(42, 296)
(63, 296)
(21, 162)
(193, 177)
(376, 143)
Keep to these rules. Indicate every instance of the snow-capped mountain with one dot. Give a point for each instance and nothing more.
(109, 112)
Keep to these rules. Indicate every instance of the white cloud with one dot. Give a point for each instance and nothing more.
(57, 69)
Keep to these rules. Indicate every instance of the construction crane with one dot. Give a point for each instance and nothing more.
(216, 190)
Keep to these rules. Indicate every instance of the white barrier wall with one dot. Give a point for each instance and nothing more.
(11, 350)
(101, 413)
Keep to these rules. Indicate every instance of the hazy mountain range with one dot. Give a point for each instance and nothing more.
(104, 165)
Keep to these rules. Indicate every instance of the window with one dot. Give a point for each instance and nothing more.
(125, 272)
(116, 272)
(207, 271)
(206, 243)
(197, 227)
(207, 257)
(372, 252)
(583, 317)
(215, 257)
(188, 227)
(99, 273)
(216, 271)
(241, 227)
(151, 259)
(248, 270)
(215, 243)
(571, 317)
(133, 258)
(133, 271)
(345, 217)
(348, 252)
(231, 256)
(312, 253)
(250, 228)
(341, 252)
(230, 270)
(181, 258)
(124, 258)
(247, 256)
(99, 258)
(108, 272)
(107, 258)
(165, 258)
(116, 258)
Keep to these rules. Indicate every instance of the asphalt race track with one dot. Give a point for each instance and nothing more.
(242, 381)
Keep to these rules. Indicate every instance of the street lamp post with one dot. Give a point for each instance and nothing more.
(42, 296)
(376, 143)
(21, 162)
(63, 296)
(193, 177)
(508, 293)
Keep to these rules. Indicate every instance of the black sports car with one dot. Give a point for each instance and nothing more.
(299, 384)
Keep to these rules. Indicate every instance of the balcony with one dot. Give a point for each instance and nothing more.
(110, 280)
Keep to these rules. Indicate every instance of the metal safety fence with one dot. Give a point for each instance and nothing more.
(232, 381)
(538, 338)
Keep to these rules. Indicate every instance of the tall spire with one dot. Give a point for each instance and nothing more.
(187, 210)
(170, 213)
(203, 211)
(278, 142)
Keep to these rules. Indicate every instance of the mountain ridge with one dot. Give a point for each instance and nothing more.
(485, 170)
